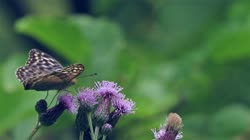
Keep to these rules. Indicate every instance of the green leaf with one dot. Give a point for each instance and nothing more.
(106, 40)
(60, 34)
(79, 39)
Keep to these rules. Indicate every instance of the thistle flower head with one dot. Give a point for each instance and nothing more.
(101, 114)
(121, 107)
(124, 106)
(41, 106)
(87, 98)
(166, 135)
(171, 130)
(51, 115)
(68, 102)
(174, 122)
(107, 89)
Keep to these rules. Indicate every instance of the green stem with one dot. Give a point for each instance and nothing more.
(34, 131)
(91, 126)
(104, 137)
(81, 135)
(96, 132)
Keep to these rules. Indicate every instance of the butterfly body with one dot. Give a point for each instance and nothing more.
(42, 72)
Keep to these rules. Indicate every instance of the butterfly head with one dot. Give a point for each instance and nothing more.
(75, 70)
(74, 81)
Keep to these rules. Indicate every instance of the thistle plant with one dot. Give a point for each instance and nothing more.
(48, 116)
(98, 110)
(171, 129)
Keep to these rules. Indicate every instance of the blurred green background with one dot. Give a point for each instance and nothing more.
(186, 56)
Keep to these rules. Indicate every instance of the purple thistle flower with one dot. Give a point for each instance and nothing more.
(108, 89)
(51, 115)
(162, 134)
(121, 107)
(124, 106)
(68, 102)
(41, 106)
(101, 114)
(87, 98)
(170, 131)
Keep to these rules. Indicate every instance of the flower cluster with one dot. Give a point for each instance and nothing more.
(171, 130)
(101, 107)
(49, 116)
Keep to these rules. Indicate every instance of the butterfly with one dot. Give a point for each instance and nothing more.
(42, 73)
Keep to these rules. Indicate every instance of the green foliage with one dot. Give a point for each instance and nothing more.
(168, 56)
(235, 115)
(60, 34)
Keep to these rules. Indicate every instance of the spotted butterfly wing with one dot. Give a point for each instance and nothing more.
(42, 61)
(42, 72)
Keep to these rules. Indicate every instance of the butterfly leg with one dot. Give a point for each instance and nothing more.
(54, 97)
(47, 94)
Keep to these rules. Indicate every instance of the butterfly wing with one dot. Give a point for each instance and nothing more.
(43, 72)
(58, 80)
(42, 61)
(69, 72)
(24, 73)
(38, 64)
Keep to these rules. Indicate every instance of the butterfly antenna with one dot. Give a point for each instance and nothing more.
(93, 74)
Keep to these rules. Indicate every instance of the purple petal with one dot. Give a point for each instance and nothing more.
(87, 97)
(124, 106)
(108, 89)
(69, 102)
